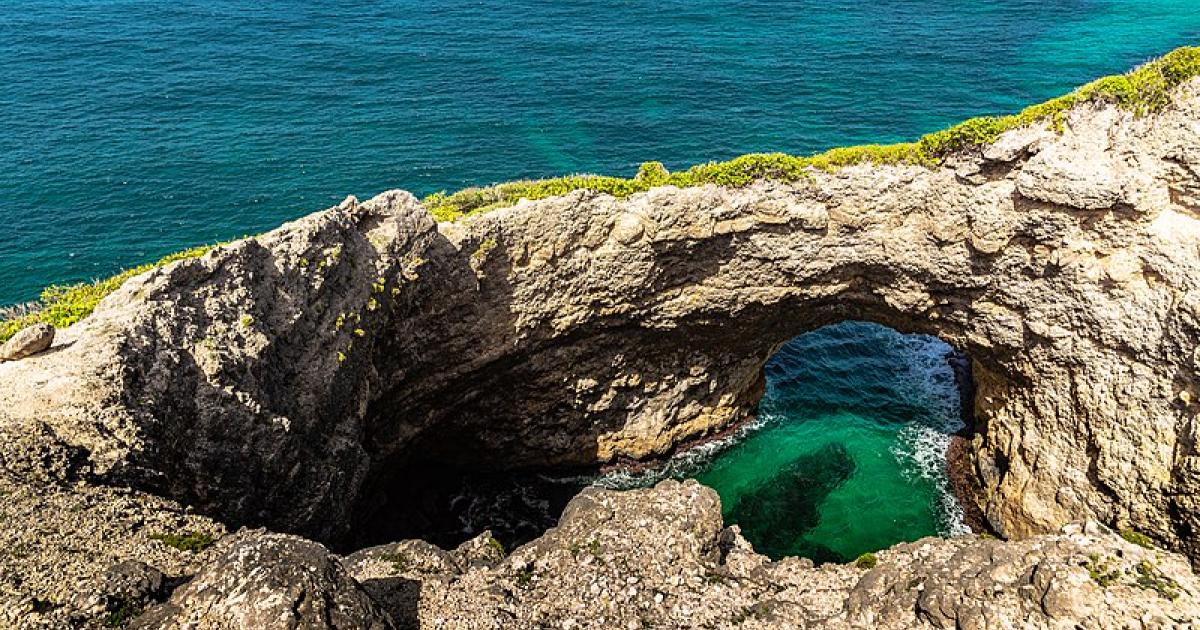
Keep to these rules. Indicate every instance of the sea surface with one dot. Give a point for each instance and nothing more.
(130, 129)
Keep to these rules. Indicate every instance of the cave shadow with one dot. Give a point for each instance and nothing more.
(400, 598)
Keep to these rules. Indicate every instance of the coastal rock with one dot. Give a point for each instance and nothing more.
(122, 592)
(268, 581)
(27, 342)
(659, 557)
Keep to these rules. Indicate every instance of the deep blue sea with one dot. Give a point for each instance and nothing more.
(133, 128)
(130, 129)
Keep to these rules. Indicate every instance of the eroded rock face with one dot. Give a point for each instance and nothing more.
(27, 342)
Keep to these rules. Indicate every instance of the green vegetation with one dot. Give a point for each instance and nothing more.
(1100, 571)
(400, 561)
(1137, 538)
(1151, 579)
(189, 541)
(525, 576)
(60, 306)
(122, 614)
(1143, 90)
(714, 578)
(496, 546)
(867, 561)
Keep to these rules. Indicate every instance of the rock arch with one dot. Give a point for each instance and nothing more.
(283, 380)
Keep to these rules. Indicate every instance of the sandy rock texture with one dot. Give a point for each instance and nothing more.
(294, 380)
(263, 580)
(27, 342)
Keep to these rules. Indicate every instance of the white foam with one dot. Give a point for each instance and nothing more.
(922, 445)
(688, 463)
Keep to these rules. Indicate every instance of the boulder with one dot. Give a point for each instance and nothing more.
(29, 341)
(265, 581)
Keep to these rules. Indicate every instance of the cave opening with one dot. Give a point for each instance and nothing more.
(853, 448)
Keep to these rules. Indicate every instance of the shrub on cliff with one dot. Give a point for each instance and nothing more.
(1142, 90)
(60, 306)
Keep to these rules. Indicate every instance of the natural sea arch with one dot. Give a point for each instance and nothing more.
(289, 380)
(845, 454)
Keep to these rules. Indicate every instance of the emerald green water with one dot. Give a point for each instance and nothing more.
(848, 452)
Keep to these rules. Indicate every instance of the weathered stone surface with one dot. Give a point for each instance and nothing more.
(267, 582)
(121, 593)
(27, 342)
(660, 558)
(60, 543)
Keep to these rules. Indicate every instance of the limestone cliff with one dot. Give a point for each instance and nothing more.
(290, 380)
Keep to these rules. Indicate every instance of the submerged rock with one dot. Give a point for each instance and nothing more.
(784, 507)
(27, 342)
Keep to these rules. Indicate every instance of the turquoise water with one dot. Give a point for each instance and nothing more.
(848, 452)
(132, 128)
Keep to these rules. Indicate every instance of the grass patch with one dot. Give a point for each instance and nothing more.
(194, 542)
(867, 561)
(1101, 571)
(1142, 90)
(400, 561)
(63, 305)
(1151, 579)
(1137, 538)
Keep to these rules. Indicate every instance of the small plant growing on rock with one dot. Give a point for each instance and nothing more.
(120, 616)
(1100, 571)
(484, 249)
(400, 561)
(867, 561)
(525, 576)
(193, 542)
(1151, 579)
(496, 546)
(714, 578)
(1137, 538)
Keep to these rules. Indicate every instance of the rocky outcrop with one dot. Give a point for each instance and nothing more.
(261, 580)
(662, 558)
(292, 379)
(27, 342)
